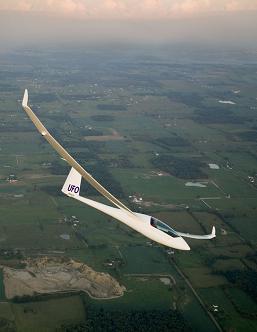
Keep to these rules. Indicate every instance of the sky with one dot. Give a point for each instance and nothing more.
(159, 21)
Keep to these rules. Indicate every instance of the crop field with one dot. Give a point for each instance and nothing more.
(150, 129)
(145, 294)
(150, 259)
(227, 311)
(37, 316)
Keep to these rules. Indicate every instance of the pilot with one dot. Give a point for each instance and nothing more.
(153, 222)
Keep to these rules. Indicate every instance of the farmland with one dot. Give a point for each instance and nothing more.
(147, 127)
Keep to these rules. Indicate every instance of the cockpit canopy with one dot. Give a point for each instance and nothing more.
(163, 227)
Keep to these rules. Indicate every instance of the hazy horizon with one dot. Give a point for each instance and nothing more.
(225, 23)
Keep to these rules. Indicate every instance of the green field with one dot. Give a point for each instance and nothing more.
(43, 316)
(227, 314)
(144, 125)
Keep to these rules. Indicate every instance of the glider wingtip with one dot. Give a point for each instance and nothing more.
(213, 232)
(25, 98)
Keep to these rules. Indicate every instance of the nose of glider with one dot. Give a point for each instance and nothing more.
(180, 244)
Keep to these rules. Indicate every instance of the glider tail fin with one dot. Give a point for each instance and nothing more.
(213, 232)
(71, 186)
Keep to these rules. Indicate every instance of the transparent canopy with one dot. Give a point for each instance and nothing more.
(163, 227)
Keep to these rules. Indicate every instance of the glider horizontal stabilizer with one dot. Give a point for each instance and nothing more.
(199, 237)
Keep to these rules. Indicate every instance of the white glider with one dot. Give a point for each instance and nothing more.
(149, 226)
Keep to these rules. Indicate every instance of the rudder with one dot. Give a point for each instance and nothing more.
(71, 186)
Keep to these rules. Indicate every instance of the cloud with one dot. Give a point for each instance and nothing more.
(21, 5)
(47, 6)
(66, 6)
(128, 9)
(237, 5)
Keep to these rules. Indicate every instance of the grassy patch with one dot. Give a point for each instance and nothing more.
(42, 316)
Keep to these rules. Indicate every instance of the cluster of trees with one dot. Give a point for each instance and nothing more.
(6, 87)
(91, 162)
(91, 132)
(217, 115)
(98, 169)
(174, 141)
(14, 127)
(59, 168)
(250, 135)
(252, 257)
(110, 107)
(44, 97)
(120, 162)
(244, 279)
(102, 117)
(36, 297)
(6, 325)
(55, 116)
(102, 175)
(187, 98)
(183, 168)
(11, 254)
(81, 97)
(85, 157)
(93, 148)
(99, 320)
(52, 190)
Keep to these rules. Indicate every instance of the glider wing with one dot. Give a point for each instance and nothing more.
(70, 160)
